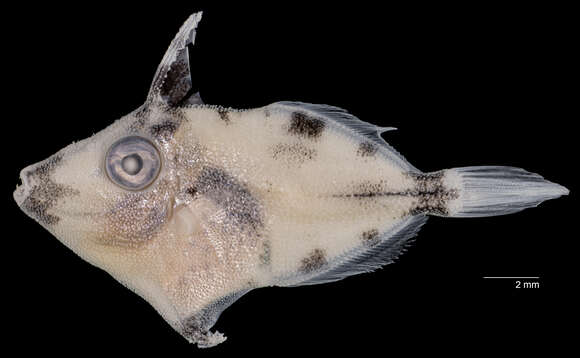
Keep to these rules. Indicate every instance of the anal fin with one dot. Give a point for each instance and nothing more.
(391, 244)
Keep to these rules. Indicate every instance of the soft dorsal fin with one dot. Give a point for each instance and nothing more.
(353, 125)
(391, 244)
(172, 82)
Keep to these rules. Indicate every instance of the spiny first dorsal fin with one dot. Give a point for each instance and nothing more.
(347, 121)
(172, 84)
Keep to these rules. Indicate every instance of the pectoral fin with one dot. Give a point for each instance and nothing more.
(172, 83)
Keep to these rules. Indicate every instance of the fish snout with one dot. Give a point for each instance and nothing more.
(27, 181)
(39, 194)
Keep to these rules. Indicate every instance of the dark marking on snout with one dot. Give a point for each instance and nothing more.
(370, 238)
(164, 130)
(43, 197)
(306, 126)
(45, 193)
(266, 113)
(43, 170)
(224, 115)
(293, 153)
(367, 149)
(314, 261)
(240, 206)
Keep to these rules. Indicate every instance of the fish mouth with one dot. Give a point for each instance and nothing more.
(23, 189)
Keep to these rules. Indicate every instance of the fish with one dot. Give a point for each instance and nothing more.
(192, 205)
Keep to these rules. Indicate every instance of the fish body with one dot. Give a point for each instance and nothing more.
(192, 205)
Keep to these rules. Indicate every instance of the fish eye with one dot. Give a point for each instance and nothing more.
(133, 162)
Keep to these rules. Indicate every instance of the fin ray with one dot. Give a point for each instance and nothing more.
(351, 123)
(172, 82)
(392, 244)
(500, 190)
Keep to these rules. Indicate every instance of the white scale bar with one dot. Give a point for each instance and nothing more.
(535, 277)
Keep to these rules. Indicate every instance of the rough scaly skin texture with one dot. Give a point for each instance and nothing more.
(226, 214)
(286, 194)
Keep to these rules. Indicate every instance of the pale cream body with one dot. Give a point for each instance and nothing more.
(193, 258)
(247, 199)
(310, 198)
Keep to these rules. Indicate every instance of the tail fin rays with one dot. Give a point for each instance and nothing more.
(498, 190)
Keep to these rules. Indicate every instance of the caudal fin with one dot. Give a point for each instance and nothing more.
(497, 190)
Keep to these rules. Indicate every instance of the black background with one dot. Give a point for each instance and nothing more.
(474, 85)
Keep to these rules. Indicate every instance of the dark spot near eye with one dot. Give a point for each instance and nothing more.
(141, 112)
(370, 238)
(304, 125)
(224, 115)
(266, 113)
(45, 193)
(134, 219)
(164, 130)
(192, 190)
(293, 153)
(367, 149)
(314, 261)
(265, 256)
(240, 206)
(141, 115)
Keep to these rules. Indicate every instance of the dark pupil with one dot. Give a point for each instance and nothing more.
(132, 164)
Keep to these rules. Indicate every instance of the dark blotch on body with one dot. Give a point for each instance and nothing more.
(370, 238)
(315, 261)
(164, 130)
(141, 115)
(369, 190)
(240, 206)
(224, 115)
(304, 125)
(432, 195)
(192, 190)
(141, 218)
(294, 153)
(367, 149)
(166, 123)
(45, 192)
(265, 256)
